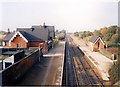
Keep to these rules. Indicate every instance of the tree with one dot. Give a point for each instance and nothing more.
(114, 38)
(96, 33)
(112, 29)
(61, 36)
(114, 71)
(109, 34)
(103, 30)
(76, 33)
(117, 40)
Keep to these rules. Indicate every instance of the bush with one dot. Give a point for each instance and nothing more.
(114, 71)
(76, 34)
(56, 42)
(111, 44)
(60, 36)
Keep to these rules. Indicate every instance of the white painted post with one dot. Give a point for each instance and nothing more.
(39, 52)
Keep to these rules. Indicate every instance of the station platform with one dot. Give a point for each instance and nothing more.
(101, 62)
(48, 71)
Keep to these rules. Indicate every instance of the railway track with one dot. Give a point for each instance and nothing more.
(78, 69)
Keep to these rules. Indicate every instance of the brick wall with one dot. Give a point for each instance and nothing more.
(15, 41)
(101, 45)
(45, 48)
(23, 44)
(40, 44)
(7, 45)
(35, 43)
(18, 69)
(19, 40)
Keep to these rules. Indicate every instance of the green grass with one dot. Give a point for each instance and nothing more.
(3, 57)
(114, 71)
(108, 56)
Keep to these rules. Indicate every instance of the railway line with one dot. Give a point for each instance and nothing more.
(78, 69)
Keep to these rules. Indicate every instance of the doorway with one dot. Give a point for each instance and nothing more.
(98, 45)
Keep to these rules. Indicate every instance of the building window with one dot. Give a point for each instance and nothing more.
(4, 43)
(98, 44)
(18, 45)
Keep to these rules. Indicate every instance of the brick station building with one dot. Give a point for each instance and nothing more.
(96, 43)
(36, 36)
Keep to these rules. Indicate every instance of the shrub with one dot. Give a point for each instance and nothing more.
(60, 36)
(114, 72)
(56, 42)
(76, 34)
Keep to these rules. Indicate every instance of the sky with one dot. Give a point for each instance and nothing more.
(71, 15)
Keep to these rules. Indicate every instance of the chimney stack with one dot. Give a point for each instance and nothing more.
(8, 30)
(44, 25)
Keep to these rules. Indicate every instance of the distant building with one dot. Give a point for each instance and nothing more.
(36, 36)
(96, 43)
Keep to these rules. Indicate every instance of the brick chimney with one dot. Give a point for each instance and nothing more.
(44, 25)
(8, 30)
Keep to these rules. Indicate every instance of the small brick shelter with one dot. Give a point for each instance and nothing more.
(96, 43)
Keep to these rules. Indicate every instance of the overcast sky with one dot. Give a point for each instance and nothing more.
(71, 15)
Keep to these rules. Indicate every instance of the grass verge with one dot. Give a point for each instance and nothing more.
(108, 56)
(3, 57)
(114, 72)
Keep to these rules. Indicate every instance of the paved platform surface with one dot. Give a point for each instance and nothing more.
(101, 62)
(48, 71)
